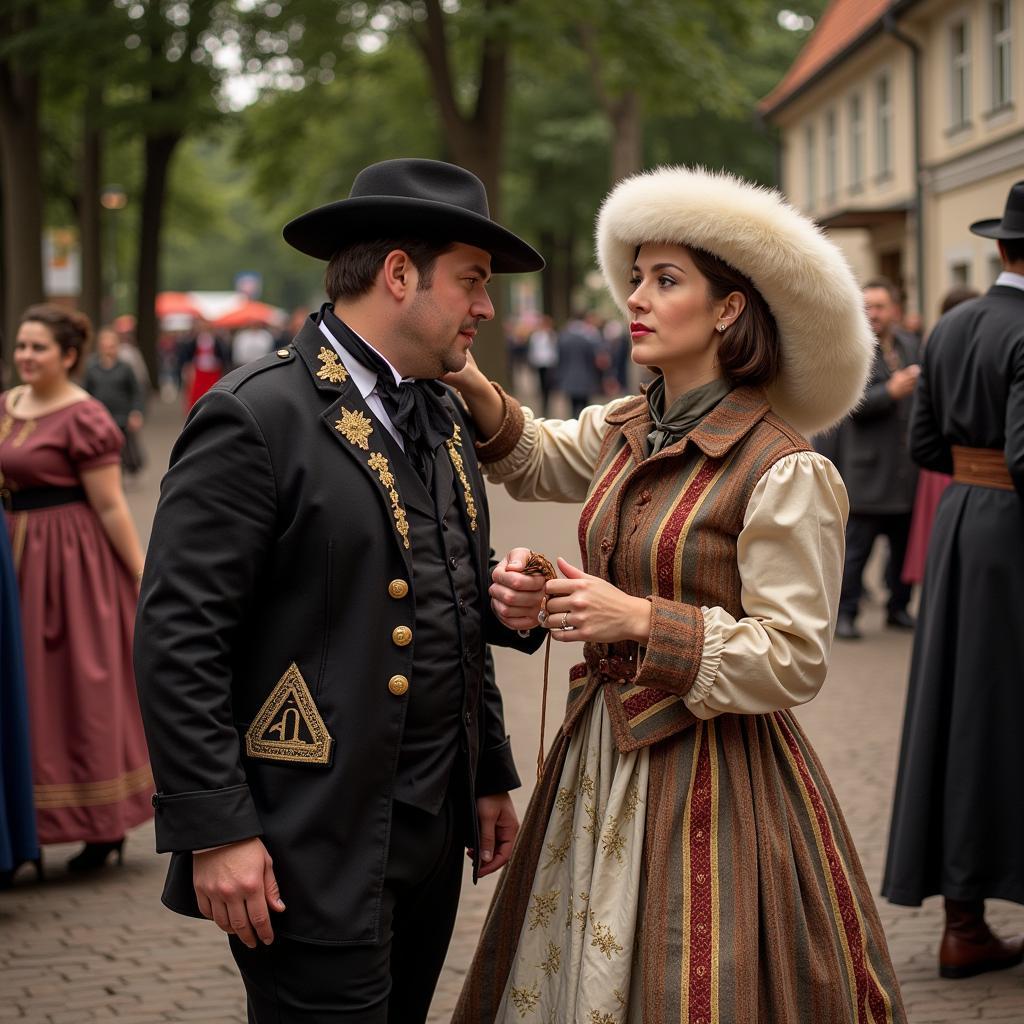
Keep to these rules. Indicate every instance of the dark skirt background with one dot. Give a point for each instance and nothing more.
(18, 840)
(958, 815)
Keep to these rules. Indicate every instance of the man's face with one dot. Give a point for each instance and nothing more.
(881, 310)
(441, 321)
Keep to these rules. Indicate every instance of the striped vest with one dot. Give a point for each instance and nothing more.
(668, 526)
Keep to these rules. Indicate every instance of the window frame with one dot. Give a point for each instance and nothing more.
(959, 74)
(1000, 44)
(855, 110)
(883, 127)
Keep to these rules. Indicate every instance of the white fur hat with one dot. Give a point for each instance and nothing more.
(826, 342)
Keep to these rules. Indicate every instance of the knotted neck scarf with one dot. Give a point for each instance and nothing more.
(414, 407)
(686, 412)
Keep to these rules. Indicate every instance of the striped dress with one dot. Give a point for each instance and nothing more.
(683, 858)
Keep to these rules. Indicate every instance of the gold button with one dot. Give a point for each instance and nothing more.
(398, 685)
(398, 588)
(283, 353)
(402, 636)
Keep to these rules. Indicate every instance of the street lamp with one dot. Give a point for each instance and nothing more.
(114, 198)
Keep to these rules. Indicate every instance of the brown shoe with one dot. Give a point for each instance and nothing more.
(969, 947)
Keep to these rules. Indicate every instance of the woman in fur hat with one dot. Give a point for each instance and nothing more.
(683, 857)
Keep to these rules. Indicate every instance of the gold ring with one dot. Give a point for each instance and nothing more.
(565, 621)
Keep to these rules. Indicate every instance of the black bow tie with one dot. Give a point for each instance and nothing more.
(414, 407)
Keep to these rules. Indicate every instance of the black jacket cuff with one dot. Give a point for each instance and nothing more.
(496, 771)
(199, 820)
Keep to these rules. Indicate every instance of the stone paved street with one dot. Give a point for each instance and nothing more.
(76, 951)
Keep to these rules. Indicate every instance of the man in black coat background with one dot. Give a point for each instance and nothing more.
(958, 817)
(311, 646)
(875, 463)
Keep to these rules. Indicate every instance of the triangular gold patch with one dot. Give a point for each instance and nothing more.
(288, 727)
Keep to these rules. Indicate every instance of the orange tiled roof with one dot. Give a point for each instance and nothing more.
(842, 23)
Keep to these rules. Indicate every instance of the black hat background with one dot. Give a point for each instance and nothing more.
(412, 198)
(1011, 226)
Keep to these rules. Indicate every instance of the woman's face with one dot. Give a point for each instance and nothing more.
(38, 357)
(673, 317)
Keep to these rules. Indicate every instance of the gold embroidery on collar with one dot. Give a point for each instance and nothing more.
(333, 369)
(288, 727)
(26, 430)
(379, 464)
(355, 427)
(5, 427)
(453, 444)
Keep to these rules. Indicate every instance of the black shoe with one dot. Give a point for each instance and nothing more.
(900, 619)
(7, 877)
(846, 628)
(93, 856)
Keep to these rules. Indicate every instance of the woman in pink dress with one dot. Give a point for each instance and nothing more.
(78, 562)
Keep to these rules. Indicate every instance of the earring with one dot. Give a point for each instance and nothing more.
(721, 328)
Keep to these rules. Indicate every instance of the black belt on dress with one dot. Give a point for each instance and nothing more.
(34, 498)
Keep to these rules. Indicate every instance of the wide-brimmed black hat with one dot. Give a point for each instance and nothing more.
(1012, 224)
(412, 198)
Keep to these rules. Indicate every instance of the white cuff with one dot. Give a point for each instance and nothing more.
(710, 659)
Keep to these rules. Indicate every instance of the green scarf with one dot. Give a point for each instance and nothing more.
(686, 412)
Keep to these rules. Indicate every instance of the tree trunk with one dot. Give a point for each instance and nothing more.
(22, 181)
(627, 136)
(90, 230)
(158, 150)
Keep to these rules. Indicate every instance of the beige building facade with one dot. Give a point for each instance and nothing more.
(901, 123)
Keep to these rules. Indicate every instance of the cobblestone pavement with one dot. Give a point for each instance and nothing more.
(76, 951)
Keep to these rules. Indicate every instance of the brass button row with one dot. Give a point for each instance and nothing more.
(398, 685)
(398, 589)
(401, 636)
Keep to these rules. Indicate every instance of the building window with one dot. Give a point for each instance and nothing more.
(960, 75)
(883, 89)
(960, 275)
(831, 157)
(811, 154)
(856, 142)
(1002, 54)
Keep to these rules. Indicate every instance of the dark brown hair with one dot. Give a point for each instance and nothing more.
(885, 284)
(353, 269)
(1013, 249)
(749, 352)
(70, 329)
(961, 293)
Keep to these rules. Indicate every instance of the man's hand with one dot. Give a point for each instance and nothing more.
(499, 826)
(515, 597)
(235, 885)
(902, 382)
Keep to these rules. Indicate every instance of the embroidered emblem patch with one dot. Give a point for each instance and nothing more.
(355, 428)
(333, 369)
(288, 727)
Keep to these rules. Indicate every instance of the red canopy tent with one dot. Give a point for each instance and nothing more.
(250, 312)
(176, 303)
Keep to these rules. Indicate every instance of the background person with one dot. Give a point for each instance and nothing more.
(876, 465)
(542, 355)
(203, 358)
(113, 382)
(78, 563)
(958, 817)
(683, 846)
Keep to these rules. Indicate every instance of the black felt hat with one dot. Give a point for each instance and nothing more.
(412, 198)
(1012, 224)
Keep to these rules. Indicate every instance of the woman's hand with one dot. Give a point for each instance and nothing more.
(515, 597)
(594, 610)
(483, 402)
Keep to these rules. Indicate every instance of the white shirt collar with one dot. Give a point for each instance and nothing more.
(365, 380)
(1008, 277)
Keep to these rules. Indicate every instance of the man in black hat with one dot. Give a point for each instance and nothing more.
(958, 819)
(325, 731)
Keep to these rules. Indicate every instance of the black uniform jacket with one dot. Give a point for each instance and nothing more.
(274, 648)
(873, 455)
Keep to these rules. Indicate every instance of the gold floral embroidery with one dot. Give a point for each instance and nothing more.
(333, 369)
(453, 444)
(525, 999)
(355, 428)
(612, 842)
(586, 783)
(379, 464)
(603, 938)
(5, 427)
(619, 997)
(544, 905)
(552, 963)
(26, 430)
(565, 801)
(559, 851)
(581, 915)
(597, 1017)
(631, 804)
(591, 812)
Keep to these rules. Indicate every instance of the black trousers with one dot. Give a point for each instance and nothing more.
(391, 982)
(862, 530)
